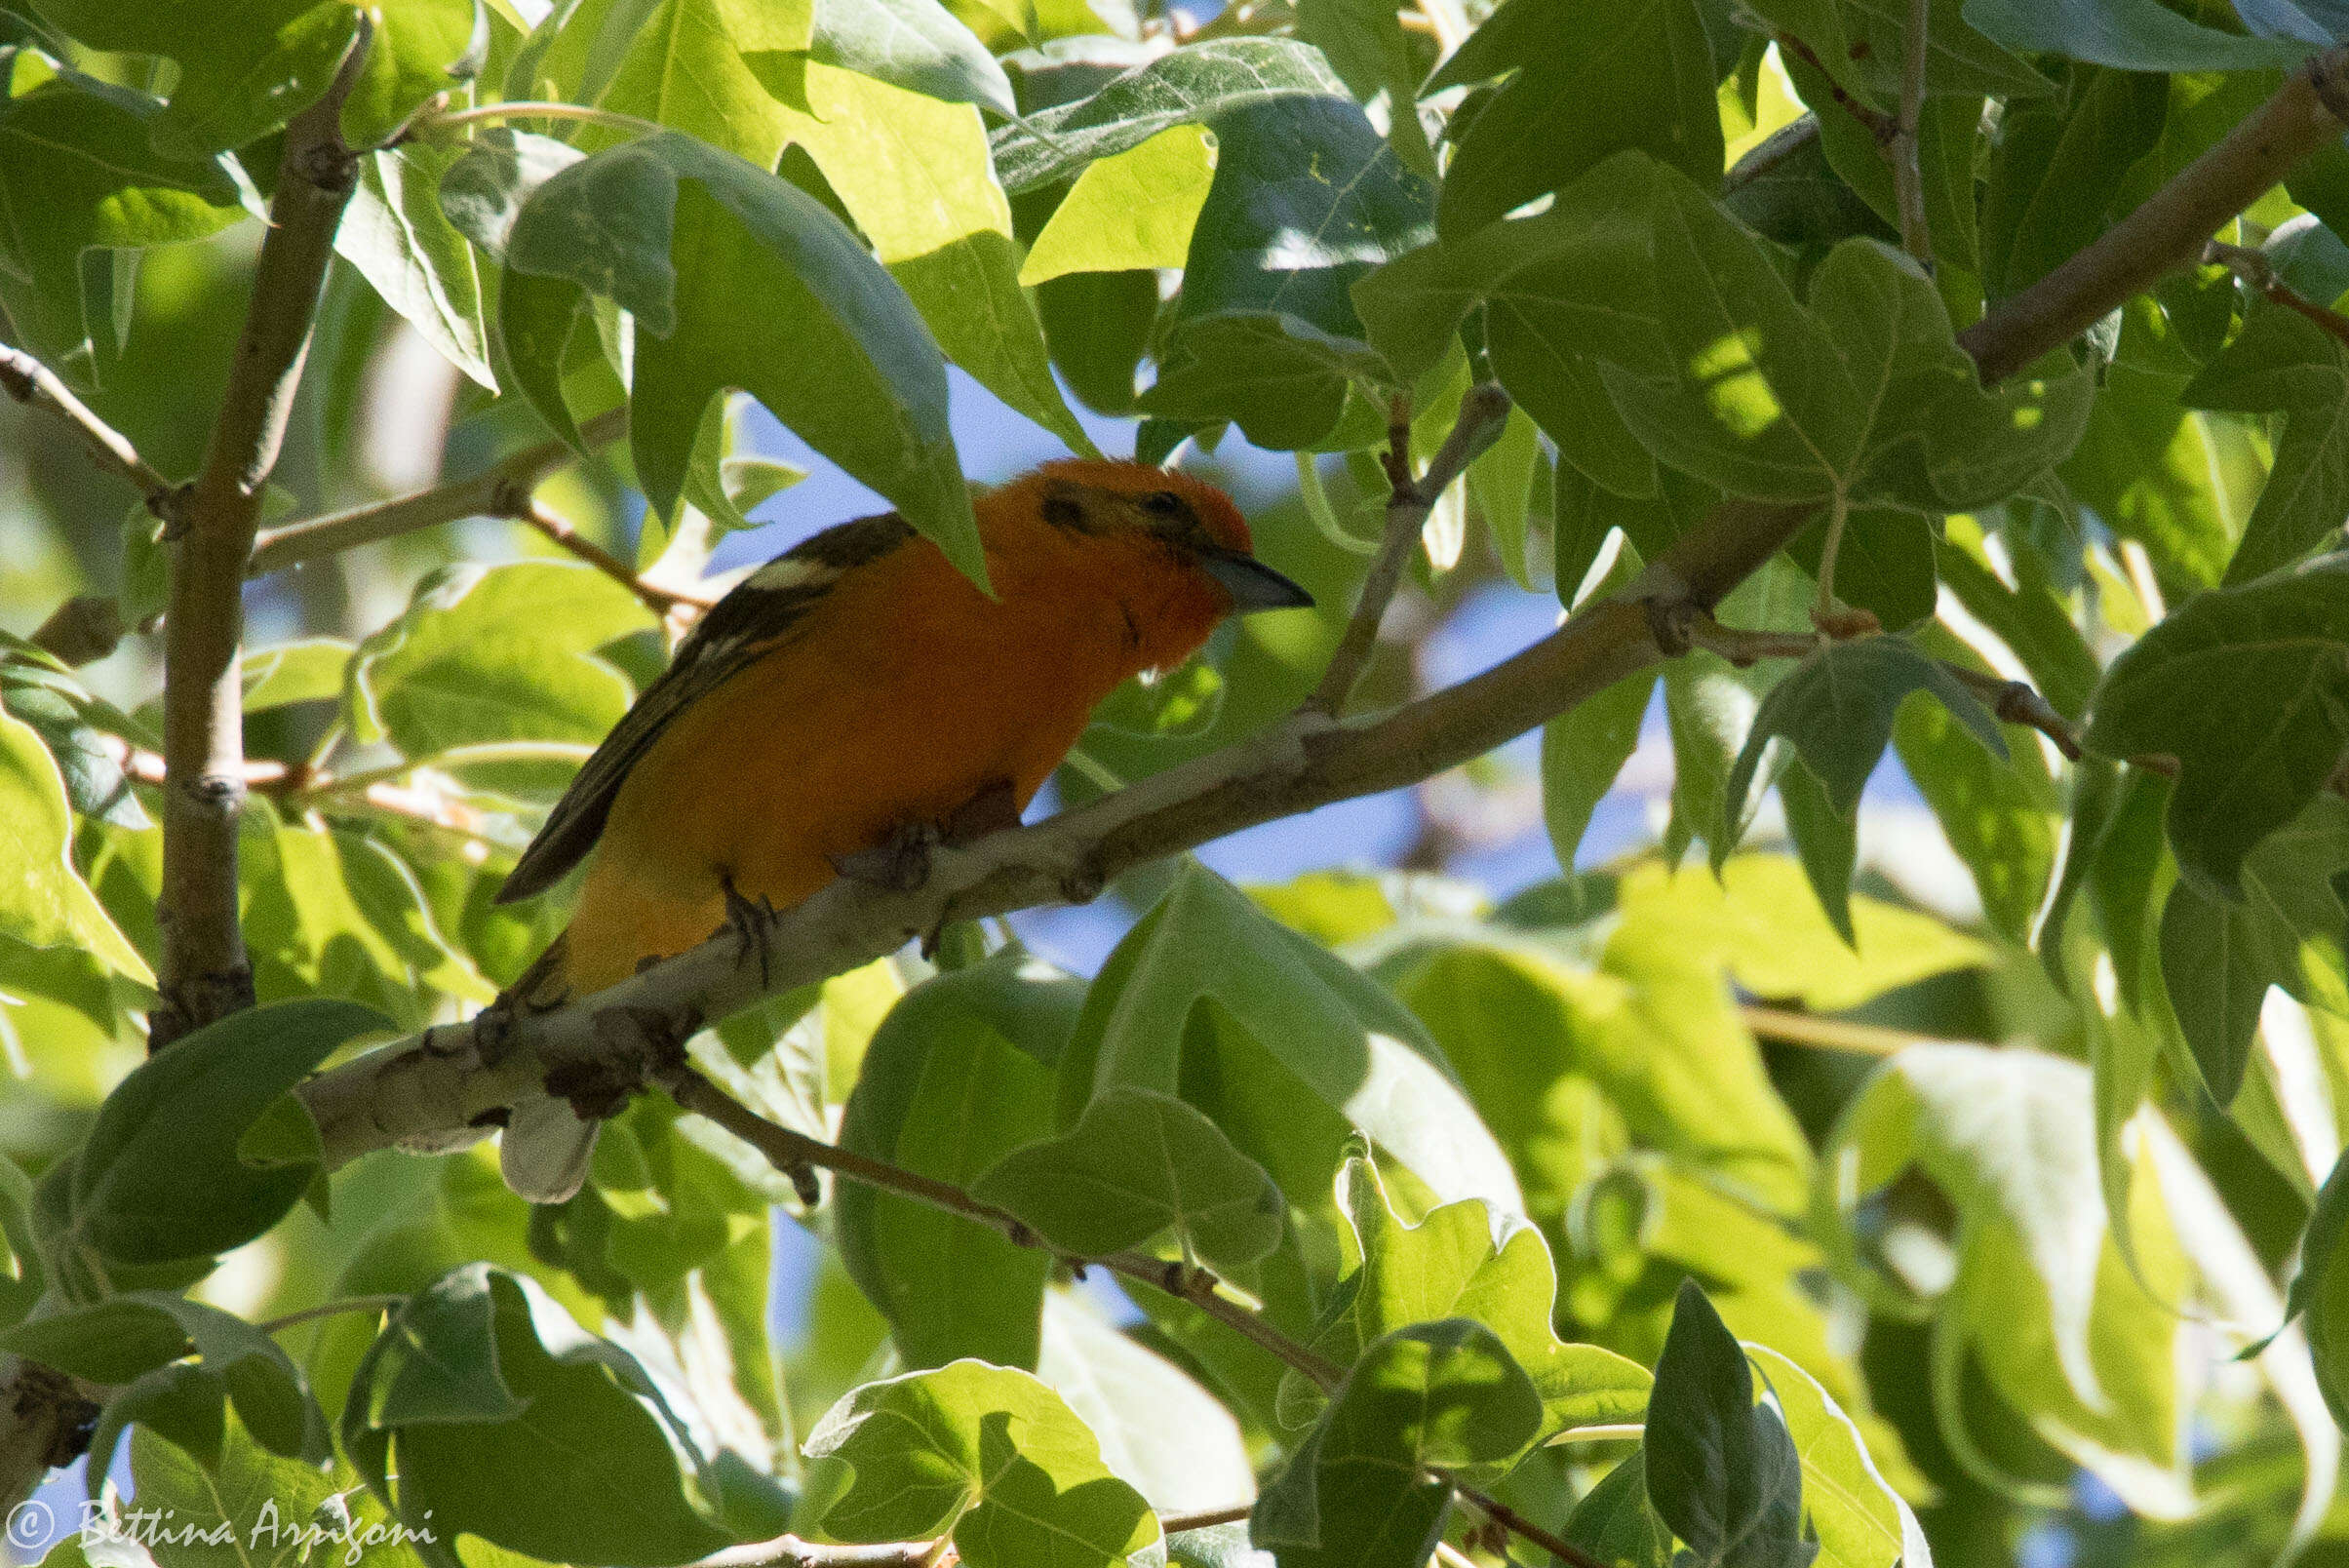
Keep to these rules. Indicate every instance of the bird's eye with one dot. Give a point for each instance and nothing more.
(1162, 503)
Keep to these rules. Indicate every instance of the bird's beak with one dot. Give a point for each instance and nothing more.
(1252, 584)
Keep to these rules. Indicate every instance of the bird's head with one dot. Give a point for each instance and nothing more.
(1173, 516)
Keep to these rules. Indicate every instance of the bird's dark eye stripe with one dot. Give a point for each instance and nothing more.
(1163, 503)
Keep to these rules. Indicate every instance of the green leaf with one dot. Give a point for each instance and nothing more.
(83, 733)
(2288, 928)
(1443, 1394)
(1613, 1522)
(1183, 701)
(1307, 198)
(835, 350)
(1583, 750)
(918, 45)
(1189, 86)
(1136, 1164)
(1589, 80)
(2284, 361)
(237, 1361)
(159, 1178)
(482, 1411)
(2249, 688)
(1754, 919)
(707, 69)
(78, 172)
(482, 191)
(1721, 1469)
(1134, 210)
(913, 172)
(308, 669)
(2030, 617)
(2071, 1332)
(238, 82)
(250, 1508)
(985, 1454)
(1859, 1520)
(1366, 43)
(1826, 841)
(1837, 708)
(1284, 381)
(490, 657)
(1501, 484)
(957, 1077)
(1306, 1050)
(1158, 1429)
(1449, 1266)
(1996, 816)
(396, 234)
(2134, 35)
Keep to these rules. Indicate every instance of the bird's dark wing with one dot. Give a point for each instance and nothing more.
(761, 612)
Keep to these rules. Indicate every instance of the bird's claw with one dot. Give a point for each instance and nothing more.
(750, 920)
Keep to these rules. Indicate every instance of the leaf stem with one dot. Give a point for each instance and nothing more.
(1324, 514)
(1908, 176)
(2254, 268)
(1839, 511)
(1483, 411)
(527, 109)
(332, 1309)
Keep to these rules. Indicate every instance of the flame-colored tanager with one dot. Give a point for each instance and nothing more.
(858, 689)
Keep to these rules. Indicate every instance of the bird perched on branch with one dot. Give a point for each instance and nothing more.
(856, 698)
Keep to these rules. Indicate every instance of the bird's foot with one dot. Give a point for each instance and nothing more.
(751, 921)
(898, 864)
(993, 809)
(637, 1044)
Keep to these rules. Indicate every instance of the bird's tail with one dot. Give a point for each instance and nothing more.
(546, 1146)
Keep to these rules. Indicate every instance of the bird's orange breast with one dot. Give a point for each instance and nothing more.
(903, 694)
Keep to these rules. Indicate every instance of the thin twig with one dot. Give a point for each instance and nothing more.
(1880, 125)
(205, 973)
(1483, 411)
(496, 493)
(35, 385)
(554, 528)
(2255, 269)
(792, 1152)
(426, 125)
(332, 1309)
(2017, 702)
(1790, 1027)
(1767, 155)
(1908, 173)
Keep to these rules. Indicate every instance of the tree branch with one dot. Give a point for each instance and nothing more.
(1483, 410)
(2253, 268)
(35, 385)
(205, 974)
(431, 1090)
(502, 491)
(1908, 174)
(557, 530)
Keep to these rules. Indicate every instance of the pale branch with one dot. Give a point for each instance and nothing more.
(205, 974)
(1483, 411)
(434, 1091)
(558, 531)
(794, 1153)
(301, 786)
(794, 1552)
(2259, 273)
(501, 491)
(35, 385)
(2167, 231)
(1908, 174)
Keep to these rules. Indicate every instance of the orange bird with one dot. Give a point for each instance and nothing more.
(858, 692)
